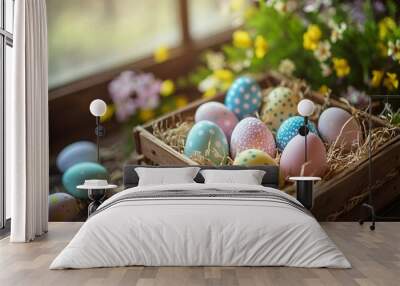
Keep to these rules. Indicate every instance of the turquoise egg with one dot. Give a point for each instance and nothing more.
(290, 128)
(78, 173)
(63, 207)
(208, 140)
(243, 97)
(78, 152)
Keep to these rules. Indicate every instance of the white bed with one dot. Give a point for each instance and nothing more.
(246, 225)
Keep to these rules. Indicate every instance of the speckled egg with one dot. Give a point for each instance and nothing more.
(290, 128)
(279, 105)
(251, 133)
(63, 207)
(208, 140)
(78, 173)
(243, 97)
(219, 114)
(78, 152)
(330, 125)
(292, 158)
(253, 157)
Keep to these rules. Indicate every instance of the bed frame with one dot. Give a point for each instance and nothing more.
(271, 177)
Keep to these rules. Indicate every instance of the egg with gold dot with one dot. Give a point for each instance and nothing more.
(279, 105)
(243, 97)
(206, 139)
(290, 128)
(252, 133)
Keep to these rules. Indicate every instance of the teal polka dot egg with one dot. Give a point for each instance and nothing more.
(290, 128)
(243, 97)
(207, 140)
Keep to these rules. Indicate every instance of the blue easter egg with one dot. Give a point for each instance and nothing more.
(63, 207)
(290, 128)
(78, 152)
(243, 97)
(208, 140)
(78, 173)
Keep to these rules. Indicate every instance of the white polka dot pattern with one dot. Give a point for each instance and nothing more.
(289, 129)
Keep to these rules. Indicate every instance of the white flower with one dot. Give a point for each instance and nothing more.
(208, 83)
(394, 49)
(337, 30)
(323, 51)
(326, 70)
(286, 67)
(215, 60)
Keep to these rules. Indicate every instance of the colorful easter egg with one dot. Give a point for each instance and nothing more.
(290, 128)
(78, 173)
(251, 133)
(292, 158)
(219, 114)
(280, 104)
(63, 207)
(243, 97)
(337, 124)
(81, 151)
(208, 140)
(254, 157)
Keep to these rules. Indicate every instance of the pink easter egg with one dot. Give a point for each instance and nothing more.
(292, 158)
(219, 114)
(252, 133)
(337, 124)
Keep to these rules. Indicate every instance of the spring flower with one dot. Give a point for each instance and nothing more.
(215, 60)
(241, 39)
(337, 31)
(377, 76)
(260, 46)
(323, 51)
(325, 69)
(341, 67)
(385, 26)
(356, 97)
(181, 101)
(312, 37)
(382, 49)
(391, 82)
(167, 87)
(161, 54)
(109, 113)
(211, 92)
(394, 50)
(224, 78)
(324, 89)
(286, 67)
(146, 114)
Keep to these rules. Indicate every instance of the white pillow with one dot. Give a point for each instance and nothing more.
(248, 177)
(163, 176)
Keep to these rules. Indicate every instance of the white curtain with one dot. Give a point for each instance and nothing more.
(27, 124)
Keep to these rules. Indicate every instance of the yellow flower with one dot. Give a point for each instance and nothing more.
(146, 114)
(161, 54)
(261, 46)
(382, 49)
(224, 78)
(341, 66)
(385, 26)
(391, 82)
(312, 37)
(241, 39)
(167, 87)
(211, 92)
(181, 101)
(325, 90)
(109, 113)
(377, 76)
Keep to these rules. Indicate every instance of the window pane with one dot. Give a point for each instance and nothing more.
(88, 36)
(208, 17)
(8, 74)
(9, 15)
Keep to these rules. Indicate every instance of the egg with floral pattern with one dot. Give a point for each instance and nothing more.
(290, 128)
(280, 104)
(219, 114)
(243, 97)
(207, 140)
(252, 133)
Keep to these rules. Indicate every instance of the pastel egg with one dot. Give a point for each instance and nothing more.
(253, 157)
(251, 133)
(63, 207)
(292, 158)
(208, 140)
(337, 124)
(243, 97)
(290, 128)
(78, 152)
(280, 104)
(219, 114)
(78, 173)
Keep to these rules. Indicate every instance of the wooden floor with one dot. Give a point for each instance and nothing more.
(375, 257)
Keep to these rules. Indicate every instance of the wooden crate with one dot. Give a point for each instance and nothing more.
(338, 198)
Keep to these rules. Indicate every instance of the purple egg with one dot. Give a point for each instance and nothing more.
(219, 114)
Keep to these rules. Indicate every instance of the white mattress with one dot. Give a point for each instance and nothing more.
(191, 231)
